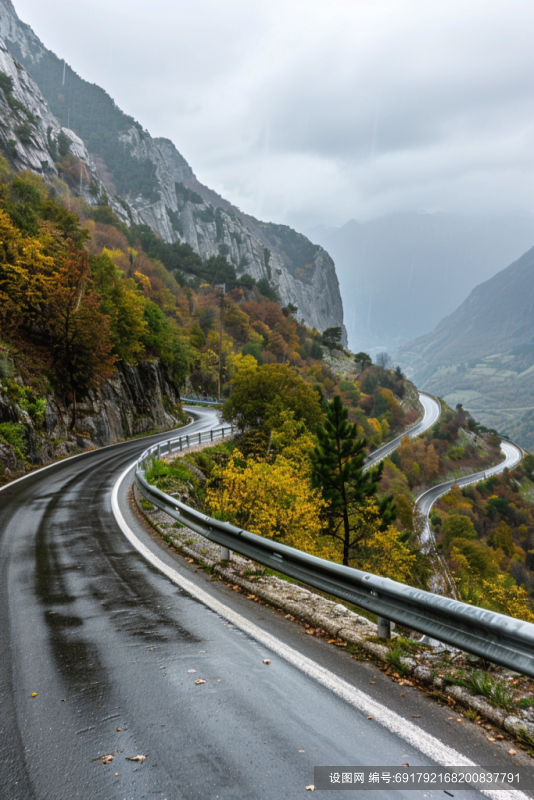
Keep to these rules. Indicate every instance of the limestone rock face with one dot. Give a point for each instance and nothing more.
(25, 119)
(171, 201)
(136, 400)
(29, 133)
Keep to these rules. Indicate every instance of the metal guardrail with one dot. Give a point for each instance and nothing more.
(180, 443)
(495, 637)
(202, 401)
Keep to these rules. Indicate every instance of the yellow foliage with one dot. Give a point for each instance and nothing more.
(292, 440)
(209, 363)
(508, 598)
(254, 337)
(143, 281)
(384, 424)
(212, 340)
(236, 362)
(385, 555)
(274, 500)
(375, 428)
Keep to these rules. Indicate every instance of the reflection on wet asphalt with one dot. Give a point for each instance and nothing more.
(113, 649)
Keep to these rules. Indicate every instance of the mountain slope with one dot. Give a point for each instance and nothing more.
(401, 273)
(155, 185)
(482, 355)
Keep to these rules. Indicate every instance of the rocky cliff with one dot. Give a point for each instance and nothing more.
(137, 400)
(149, 182)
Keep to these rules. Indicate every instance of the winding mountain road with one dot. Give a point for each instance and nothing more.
(512, 456)
(110, 646)
(432, 412)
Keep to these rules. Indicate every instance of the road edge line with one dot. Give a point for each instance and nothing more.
(424, 742)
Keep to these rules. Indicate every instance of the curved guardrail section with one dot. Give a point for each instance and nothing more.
(495, 637)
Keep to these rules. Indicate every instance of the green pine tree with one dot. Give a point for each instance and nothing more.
(338, 470)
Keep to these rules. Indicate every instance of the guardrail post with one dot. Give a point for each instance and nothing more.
(159, 450)
(180, 444)
(211, 434)
(226, 554)
(169, 446)
(223, 433)
(384, 628)
(200, 438)
(187, 440)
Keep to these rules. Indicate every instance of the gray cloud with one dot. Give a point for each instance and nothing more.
(322, 110)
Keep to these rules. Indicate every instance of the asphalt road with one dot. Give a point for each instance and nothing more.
(432, 412)
(512, 457)
(107, 642)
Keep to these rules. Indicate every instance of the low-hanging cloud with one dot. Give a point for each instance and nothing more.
(318, 111)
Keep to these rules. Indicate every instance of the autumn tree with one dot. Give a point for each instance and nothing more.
(78, 335)
(261, 394)
(338, 470)
(382, 551)
(274, 499)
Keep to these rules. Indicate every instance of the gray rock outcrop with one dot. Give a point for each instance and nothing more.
(151, 183)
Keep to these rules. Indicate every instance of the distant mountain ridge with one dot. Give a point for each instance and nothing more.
(482, 355)
(148, 181)
(401, 273)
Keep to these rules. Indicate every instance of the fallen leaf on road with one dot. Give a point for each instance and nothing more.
(302, 751)
(64, 700)
(135, 758)
(266, 661)
(199, 681)
(310, 788)
(373, 681)
(330, 641)
(119, 730)
(491, 739)
(34, 694)
(499, 736)
(512, 752)
(104, 759)
(459, 720)
(416, 715)
(191, 670)
(369, 718)
(342, 644)
(116, 774)
(449, 718)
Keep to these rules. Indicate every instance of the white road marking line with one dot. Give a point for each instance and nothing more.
(88, 452)
(427, 744)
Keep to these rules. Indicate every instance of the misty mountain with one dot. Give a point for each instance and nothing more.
(482, 355)
(400, 274)
(145, 179)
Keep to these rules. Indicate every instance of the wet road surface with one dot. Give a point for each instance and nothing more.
(107, 642)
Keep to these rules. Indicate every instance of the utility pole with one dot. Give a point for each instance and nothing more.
(221, 306)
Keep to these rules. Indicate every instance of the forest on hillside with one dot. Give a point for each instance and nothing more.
(81, 292)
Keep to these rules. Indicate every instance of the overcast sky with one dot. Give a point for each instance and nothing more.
(317, 111)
